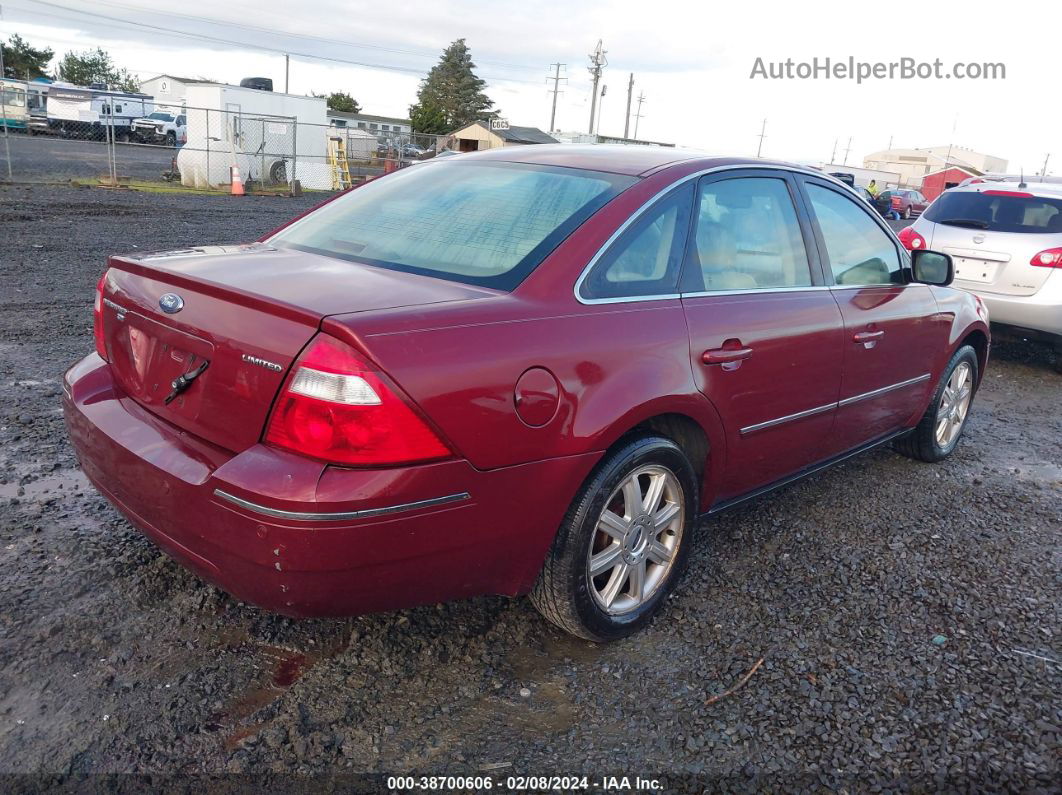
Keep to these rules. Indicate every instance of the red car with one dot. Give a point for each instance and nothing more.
(908, 203)
(527, 370)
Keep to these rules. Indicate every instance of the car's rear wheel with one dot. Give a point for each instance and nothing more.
(623, 544)
(907, 213)
(938, 432)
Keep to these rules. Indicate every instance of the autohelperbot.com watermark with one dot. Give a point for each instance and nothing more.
(864, 71)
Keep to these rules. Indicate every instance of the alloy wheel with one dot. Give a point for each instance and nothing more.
(636, 540)
(954, 404)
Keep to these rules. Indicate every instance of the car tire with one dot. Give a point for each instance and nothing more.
(941, 427)
(635, 546)
(171, 139)
(907, 213)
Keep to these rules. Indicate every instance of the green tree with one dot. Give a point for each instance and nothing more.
(95, 66)
(24, 62)
(451, 96)
(427, 117)
(342, 101)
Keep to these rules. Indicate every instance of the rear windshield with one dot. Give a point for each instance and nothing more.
(997, 212)
(487, 224)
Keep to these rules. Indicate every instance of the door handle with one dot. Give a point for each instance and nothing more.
(725, 355)
(867, 336)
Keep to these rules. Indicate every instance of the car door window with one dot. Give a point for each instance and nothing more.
(647, 257)
(860, 252)
(746, 237)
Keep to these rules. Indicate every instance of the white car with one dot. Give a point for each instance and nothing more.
(1005, 239)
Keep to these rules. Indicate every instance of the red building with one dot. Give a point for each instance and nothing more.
(936, 182)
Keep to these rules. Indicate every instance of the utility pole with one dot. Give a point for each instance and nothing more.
(638, 115)
(601, 108)
(286, 63)
(847, 150)
(556, 78)
(1043, 171)
(627, 118)
(890, 143)
(834, 155)
(597, 63)
(763, 134)
(3, 110)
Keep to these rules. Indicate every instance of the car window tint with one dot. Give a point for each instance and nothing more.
(746, 236)
(998, 211)
(860, 252)
(647, 257)
(487, 224)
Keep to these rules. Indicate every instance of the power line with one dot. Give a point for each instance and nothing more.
(286, 34)
(245, 45)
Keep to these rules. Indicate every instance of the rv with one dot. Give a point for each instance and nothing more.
(37, 104)
(13, 113)
(79, 112)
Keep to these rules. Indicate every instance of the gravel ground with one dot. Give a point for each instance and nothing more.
(907, 614)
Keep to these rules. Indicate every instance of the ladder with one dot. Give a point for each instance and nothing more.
(337, 159)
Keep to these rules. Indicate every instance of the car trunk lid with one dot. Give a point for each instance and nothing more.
(994, 262)
(241, 312)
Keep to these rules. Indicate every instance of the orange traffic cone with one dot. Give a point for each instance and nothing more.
(237, 183)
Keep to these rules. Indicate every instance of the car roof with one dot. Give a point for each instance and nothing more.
(628, 159)
(1043, 190)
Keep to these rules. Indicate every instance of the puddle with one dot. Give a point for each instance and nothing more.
(1042, 472)
(52, 485)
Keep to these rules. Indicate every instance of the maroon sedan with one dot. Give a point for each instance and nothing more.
(528, 370)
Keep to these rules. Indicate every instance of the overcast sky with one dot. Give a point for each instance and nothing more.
(691, 59)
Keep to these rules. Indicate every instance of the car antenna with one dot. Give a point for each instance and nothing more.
(1022, 185)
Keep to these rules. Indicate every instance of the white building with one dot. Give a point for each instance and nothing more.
(914, 164)
(378, 125)
(169, 91)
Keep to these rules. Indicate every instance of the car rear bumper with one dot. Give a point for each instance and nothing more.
(1041, 311)
(301, 538)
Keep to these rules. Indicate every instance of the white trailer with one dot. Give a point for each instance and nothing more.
(272, 137)
(88, 112)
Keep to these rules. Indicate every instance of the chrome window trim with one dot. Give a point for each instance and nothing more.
(648, 203)
(760, 426)
(757, 291)
(313, 516)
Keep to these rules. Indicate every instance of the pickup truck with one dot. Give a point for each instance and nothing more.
(161, 127)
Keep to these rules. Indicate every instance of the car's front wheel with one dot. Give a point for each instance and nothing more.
(937, 434)
(623, 543)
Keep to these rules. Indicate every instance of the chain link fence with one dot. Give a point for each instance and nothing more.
(131, 142)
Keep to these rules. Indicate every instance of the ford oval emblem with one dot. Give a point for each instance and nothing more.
(171, 303)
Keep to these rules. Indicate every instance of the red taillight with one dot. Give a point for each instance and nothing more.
(1019, 193)
(97, 318)
(1049, 258)
(911, 239)
(338, 408)
(896, 201)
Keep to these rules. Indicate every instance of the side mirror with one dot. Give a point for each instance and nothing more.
(932, 267)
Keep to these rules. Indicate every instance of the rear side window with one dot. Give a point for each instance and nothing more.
(647, 257)
(746, 237)
(487, 224)
(859, 251)
(997, 211)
